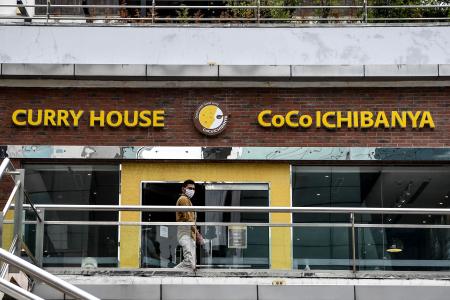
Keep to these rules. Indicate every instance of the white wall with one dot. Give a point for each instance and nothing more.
(8, 11)
(12, 11)
(362, 45)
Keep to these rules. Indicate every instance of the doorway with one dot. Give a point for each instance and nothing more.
(235, 246)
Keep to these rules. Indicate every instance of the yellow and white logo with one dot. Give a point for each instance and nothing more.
(210, 119)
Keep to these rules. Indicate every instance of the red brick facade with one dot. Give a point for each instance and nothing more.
(243, 106)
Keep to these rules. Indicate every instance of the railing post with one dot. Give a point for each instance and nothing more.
(352, 220)
(39, 243)
(195, 242)
(258, 11)
(18, 210)
(365, 16)
(48, 10)
(153, 11)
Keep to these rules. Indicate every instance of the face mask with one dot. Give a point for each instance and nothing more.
(189, 193)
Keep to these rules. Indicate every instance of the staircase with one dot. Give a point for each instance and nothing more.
(17, 276)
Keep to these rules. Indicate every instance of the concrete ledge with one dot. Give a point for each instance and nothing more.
(173, 83)
(110, 70)
(402, 292)
(111, 291)
(444, 70)
(328, 71)
(190, 286)
(209, 292)
(254, 71)
(182, 71)
(307, 292)
(124, 291)
(401, 70)
(37, 69)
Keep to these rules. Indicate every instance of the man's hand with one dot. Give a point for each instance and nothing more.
(199, 238)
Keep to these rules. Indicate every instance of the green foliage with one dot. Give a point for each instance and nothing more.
(183, 13)
(279, 13)
(241, 13)
(409, 12)
(328, 12)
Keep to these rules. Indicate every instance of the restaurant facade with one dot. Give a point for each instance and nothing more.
(377, 147)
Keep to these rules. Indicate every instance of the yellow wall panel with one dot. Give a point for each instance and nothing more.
(8, 231)
(276, 174)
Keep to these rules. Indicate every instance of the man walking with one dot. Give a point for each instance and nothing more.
(187, 234)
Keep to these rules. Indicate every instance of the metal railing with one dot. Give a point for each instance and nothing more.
(44, 276)
(227, 11)
(351, 212)
(13, 257)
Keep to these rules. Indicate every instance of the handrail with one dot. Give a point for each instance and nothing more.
(12, 248)
(28, 252)
(250, 224)
(263, 12)
(5, 166)
(11, 198)
(28, 199)
(45, 276)
(17, 292)
(247, 209)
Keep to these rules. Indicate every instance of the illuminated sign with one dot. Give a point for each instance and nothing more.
(210, 119)
(101, 118)
(347, 119)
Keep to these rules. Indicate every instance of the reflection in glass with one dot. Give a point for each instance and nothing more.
(78, 245)
(404, 249)
(320, 248)
(159, 247)
(255, 252)
(70, 245)
(378, 248)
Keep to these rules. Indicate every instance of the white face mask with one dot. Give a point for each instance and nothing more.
(189, 193)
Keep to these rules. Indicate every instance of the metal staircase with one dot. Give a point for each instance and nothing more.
(12, 262)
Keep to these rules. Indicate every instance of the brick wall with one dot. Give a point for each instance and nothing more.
(243, 106)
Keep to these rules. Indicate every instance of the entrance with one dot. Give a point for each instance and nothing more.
(227, 246)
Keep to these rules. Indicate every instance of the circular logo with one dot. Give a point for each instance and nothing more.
(210, 119)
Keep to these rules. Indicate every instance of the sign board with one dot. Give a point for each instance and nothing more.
(237, 236)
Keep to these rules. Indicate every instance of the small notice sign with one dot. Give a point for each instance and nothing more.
(164, 231)
(237, 236)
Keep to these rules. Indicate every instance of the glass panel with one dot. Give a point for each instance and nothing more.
(159, 243)
(160, 248)
(322, 248)
(70, 11)
(256, 253)
(425, 187)
(404, 249)
(66, 245)
(389, 187)
(336, 187)
(80, 246)
(237, 246)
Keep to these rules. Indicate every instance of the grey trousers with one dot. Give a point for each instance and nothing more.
(188, 245)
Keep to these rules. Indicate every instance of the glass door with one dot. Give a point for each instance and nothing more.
(240, 245)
